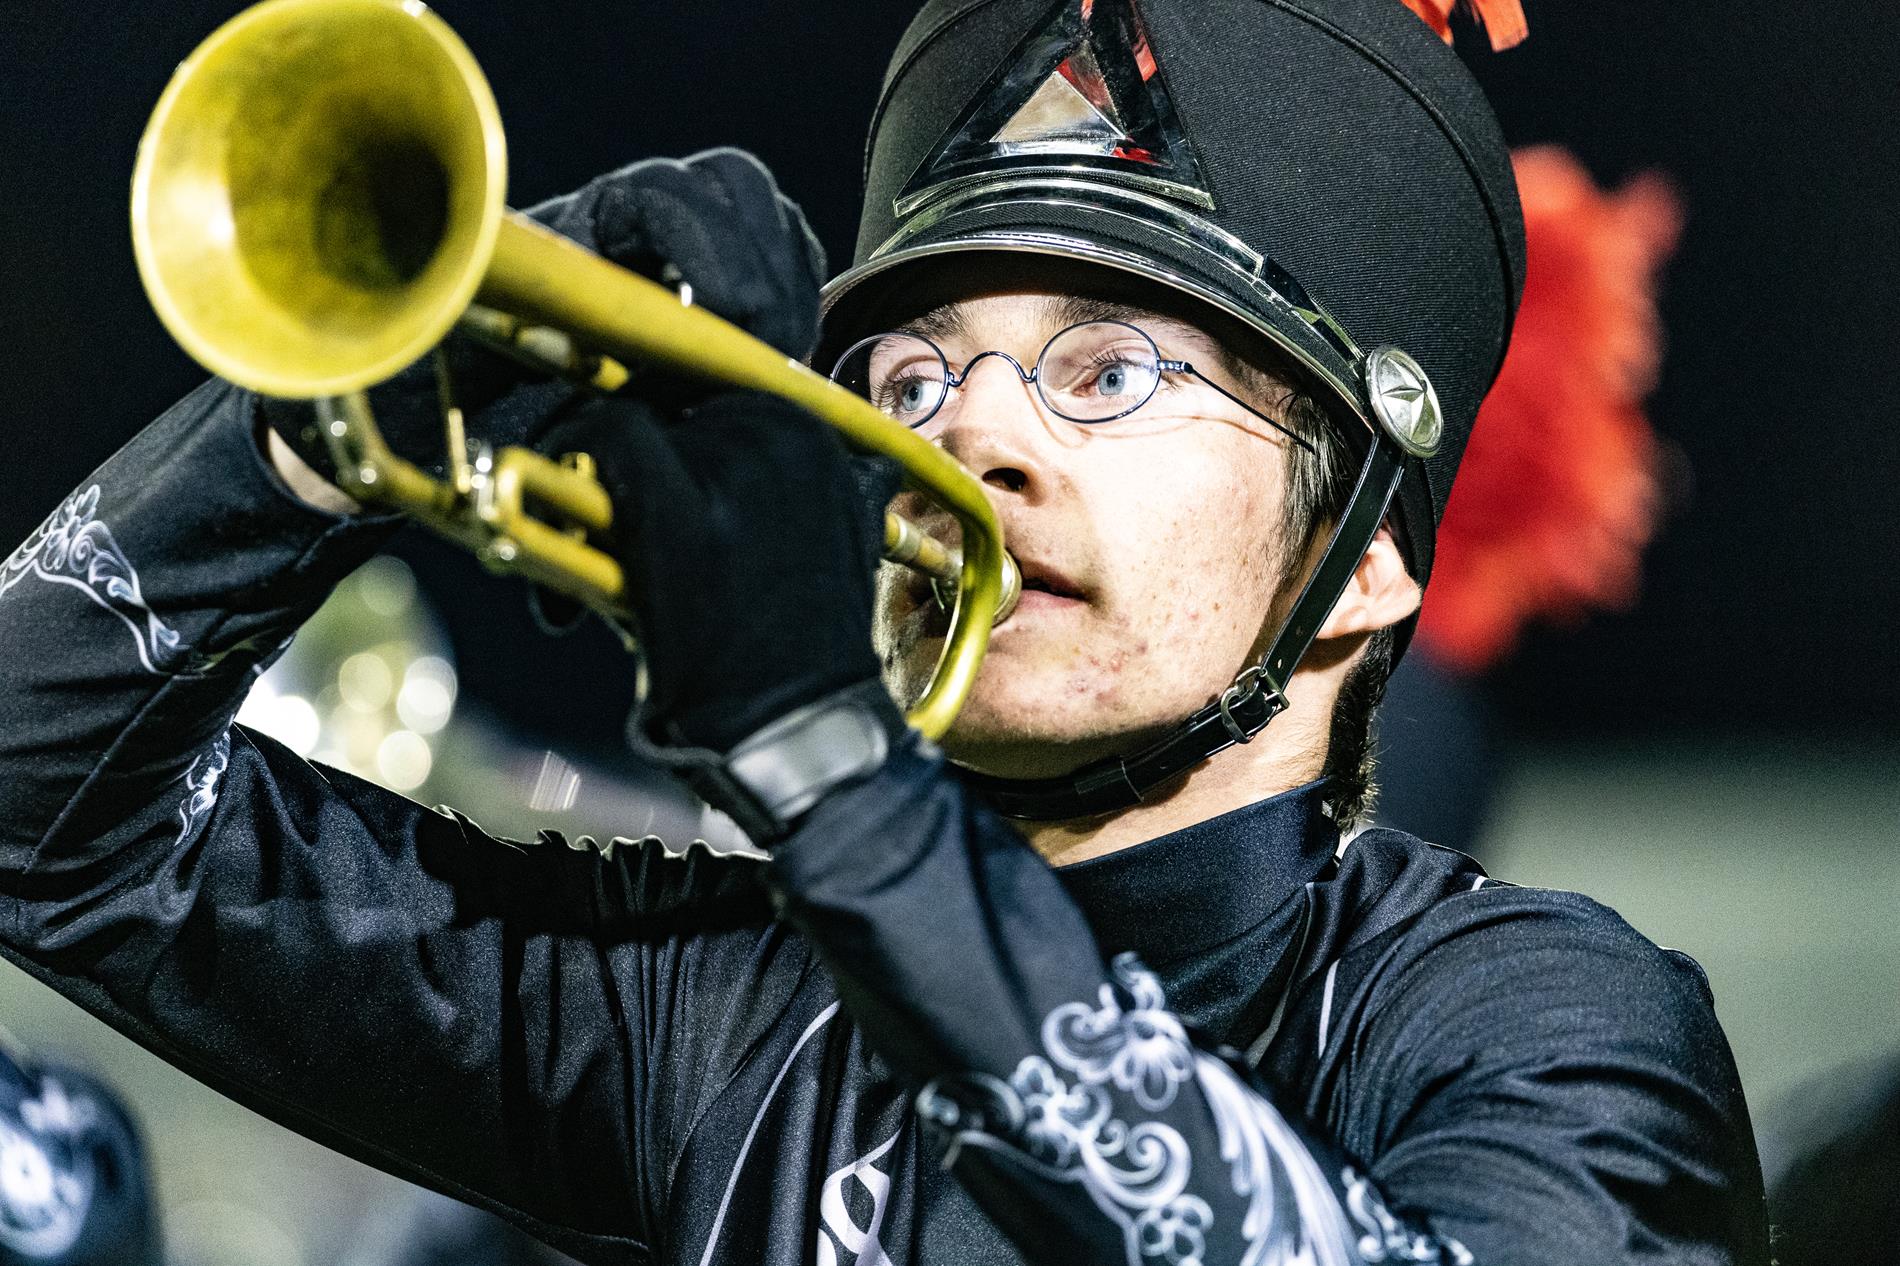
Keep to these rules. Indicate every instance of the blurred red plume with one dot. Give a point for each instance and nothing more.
(1503, 20)
(1558, 493)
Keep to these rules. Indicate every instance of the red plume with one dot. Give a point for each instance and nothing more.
(1558, 492)
(1503, 20)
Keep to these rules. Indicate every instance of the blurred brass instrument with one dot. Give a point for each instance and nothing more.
(319, 201)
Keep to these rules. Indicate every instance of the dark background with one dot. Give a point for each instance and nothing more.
(1771, 594)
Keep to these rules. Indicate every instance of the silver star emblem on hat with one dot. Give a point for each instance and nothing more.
(1403, 401)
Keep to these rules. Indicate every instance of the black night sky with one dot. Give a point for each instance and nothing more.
(1771, 594)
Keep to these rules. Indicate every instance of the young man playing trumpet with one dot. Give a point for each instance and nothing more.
(1154, 1014)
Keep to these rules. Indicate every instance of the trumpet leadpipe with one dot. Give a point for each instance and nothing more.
(910, 546)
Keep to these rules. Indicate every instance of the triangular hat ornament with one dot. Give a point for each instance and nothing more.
(1083, 91)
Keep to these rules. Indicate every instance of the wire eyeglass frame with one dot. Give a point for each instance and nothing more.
(1034, 377)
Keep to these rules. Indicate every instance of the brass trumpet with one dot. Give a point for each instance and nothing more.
(319, 200)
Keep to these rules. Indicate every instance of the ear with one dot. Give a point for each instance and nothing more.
(1380, 594)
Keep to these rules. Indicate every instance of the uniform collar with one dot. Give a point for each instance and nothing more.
(1206, 884)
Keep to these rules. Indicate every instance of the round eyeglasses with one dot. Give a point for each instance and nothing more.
(1094, 372)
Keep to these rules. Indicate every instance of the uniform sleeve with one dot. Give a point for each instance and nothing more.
(1076, 1108)
(477, 1016)
(1554, 1088)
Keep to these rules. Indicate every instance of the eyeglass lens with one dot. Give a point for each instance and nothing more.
(1094, 372)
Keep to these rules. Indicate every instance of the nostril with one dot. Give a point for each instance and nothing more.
(1008, 478)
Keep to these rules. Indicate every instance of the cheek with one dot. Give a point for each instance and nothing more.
(1180, 539)
(1200, 561)
(1189, 550)
(897, 626)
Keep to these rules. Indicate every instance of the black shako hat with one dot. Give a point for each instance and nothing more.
(1327, 171)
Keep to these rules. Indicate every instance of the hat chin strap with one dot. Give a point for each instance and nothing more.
(1244, 708)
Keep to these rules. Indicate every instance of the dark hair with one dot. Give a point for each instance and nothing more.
(1319, 483)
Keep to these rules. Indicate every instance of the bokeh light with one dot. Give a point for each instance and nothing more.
(366, 681)
(368, 685)
(403, 760)
(427, 699)
(291, 719)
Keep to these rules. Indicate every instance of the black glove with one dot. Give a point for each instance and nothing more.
(715, 221)
(749, 545)
(720, 222)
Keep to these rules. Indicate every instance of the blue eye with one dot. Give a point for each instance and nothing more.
(909, 398)
(1118, 378)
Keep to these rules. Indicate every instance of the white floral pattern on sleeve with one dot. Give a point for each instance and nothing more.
(75, 549)
(201, 786)
(1056, 1115)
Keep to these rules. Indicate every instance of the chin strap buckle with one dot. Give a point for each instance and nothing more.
(1245, 687)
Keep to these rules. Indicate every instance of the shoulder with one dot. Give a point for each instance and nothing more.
(1465, 1028)
(1492, 918)
(1427, 953)
(1415, 899)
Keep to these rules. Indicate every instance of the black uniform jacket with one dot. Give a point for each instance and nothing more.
(903, 1039)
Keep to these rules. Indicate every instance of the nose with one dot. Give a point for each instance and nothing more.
(997, 429)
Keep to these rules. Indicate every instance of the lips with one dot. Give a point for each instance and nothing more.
(1045, 588)
(1042, 578)
(1046, 591)
(1045, 585)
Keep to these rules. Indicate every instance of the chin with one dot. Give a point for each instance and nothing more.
(1010, 728)
(1034, 712)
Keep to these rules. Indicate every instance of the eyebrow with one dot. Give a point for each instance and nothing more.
(939, 323)
(1060, 313)
(1077, 309)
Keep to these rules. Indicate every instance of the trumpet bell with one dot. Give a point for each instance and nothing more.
(318, 195)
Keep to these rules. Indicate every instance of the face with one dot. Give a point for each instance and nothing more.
(1150, 545)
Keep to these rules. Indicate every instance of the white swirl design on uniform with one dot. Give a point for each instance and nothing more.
(46, 1173)
(1386, 1239)
(75, 549)
(1137, 1172)
(842, 1239)
(1292, 1216)
(1142, 1050)
(201, 785)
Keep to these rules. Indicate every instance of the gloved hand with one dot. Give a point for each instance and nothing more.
(715, 221)
(717, 218)
(749, 548)
(749, 545)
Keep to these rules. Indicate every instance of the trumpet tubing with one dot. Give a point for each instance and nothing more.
(319, 200)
